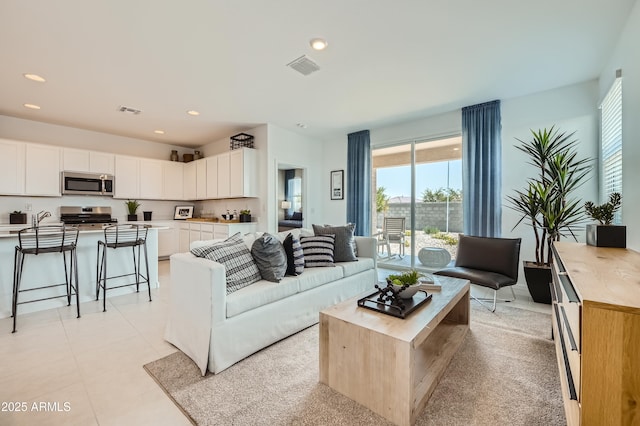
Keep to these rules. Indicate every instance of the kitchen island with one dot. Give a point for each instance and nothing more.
(47, 269)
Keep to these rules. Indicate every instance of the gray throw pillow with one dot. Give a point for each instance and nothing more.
(344, 250)
(270, 257)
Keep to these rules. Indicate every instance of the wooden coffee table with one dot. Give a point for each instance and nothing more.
(392, 365)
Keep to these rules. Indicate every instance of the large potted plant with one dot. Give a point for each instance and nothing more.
(603, 233)
(547, 203)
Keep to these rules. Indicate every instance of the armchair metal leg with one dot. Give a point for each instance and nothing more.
(481, 300)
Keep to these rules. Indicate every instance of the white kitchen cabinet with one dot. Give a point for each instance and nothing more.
(183, 237)
(151, 179)
(11, 167)
(201, 179)
(167, 239)
(206, 231)
(243, 173)
(212, 177)
(42, 170)
(127, 177)
(80, 160)
(223, 175)
(101, 162)
(190, 181)
(173, 178)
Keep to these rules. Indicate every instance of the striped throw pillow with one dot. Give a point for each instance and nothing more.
(295, 256)
(233, 253)
(318, 250)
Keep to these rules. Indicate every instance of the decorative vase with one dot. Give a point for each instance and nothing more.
(607, 235)
(132, 217)
(174, 155)
(245, 218)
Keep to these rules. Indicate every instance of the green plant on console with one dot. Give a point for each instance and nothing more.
(410, 277)
(132, 206)
(245, 211)
(604, 213)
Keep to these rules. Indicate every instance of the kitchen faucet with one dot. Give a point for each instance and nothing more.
(39, 216)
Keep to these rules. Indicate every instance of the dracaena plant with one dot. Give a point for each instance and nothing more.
(547, 203)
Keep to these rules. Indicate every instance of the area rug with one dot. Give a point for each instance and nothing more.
(505, 373)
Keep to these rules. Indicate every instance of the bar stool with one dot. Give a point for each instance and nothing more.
(121, 236)
(40, 240)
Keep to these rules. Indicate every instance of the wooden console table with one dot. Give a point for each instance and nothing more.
(596, 325)
(392, 365)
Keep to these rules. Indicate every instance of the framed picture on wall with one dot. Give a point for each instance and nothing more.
(337, 184)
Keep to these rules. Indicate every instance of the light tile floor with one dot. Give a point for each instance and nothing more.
(60, 370)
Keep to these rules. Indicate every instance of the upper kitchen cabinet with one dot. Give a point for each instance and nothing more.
(11, 167)
(211, 188)
(195, 180)
(79, 160)
(224, 190)
(42, 170)
(173, 178)
(127, 177)
(243, 176)
(152, 179)
(201, 179)
(189, 182)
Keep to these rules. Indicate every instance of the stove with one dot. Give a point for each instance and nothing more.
(87, 218)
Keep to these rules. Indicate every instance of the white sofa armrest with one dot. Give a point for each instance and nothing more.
(367, 247)
(196, 304)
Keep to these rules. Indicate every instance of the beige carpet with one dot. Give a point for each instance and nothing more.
(505, 373)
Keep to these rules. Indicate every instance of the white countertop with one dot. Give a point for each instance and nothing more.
(10, 231)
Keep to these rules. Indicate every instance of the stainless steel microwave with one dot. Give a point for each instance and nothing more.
(87, 183)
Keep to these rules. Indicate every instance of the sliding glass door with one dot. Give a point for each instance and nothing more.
(418, 194)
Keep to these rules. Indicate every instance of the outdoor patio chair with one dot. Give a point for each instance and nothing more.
(393, 232)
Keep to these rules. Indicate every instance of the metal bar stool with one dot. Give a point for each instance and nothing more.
(121, 236)
(40, 240)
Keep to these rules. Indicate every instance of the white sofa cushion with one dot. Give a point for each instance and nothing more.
(352, 268)
(315, 277)
(260, 293)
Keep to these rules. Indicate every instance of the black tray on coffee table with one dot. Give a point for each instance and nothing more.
(371, 302)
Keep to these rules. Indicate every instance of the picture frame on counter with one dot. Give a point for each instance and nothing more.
(183, 213)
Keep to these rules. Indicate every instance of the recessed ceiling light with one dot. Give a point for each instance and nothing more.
(32, 106)
(193, 112)
(318, 43)
(34, 77)
(159, 132)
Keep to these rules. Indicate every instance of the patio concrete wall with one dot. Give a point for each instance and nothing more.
(427, 214)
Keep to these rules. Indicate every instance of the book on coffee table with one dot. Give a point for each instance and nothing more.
(427, 283)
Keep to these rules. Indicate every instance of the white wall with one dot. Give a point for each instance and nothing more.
(625, 56)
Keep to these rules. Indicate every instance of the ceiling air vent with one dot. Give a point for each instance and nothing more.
(129, 110)
(304, 65)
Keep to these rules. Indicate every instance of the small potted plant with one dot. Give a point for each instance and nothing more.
(245, 215)
(410, 279)
(603, 233)
(132, 208)
(17, 217)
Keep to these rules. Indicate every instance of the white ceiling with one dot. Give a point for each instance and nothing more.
(387, 61)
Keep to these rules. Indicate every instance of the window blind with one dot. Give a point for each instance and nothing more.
(611, 140)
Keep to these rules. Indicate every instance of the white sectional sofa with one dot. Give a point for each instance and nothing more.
(217, 330)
